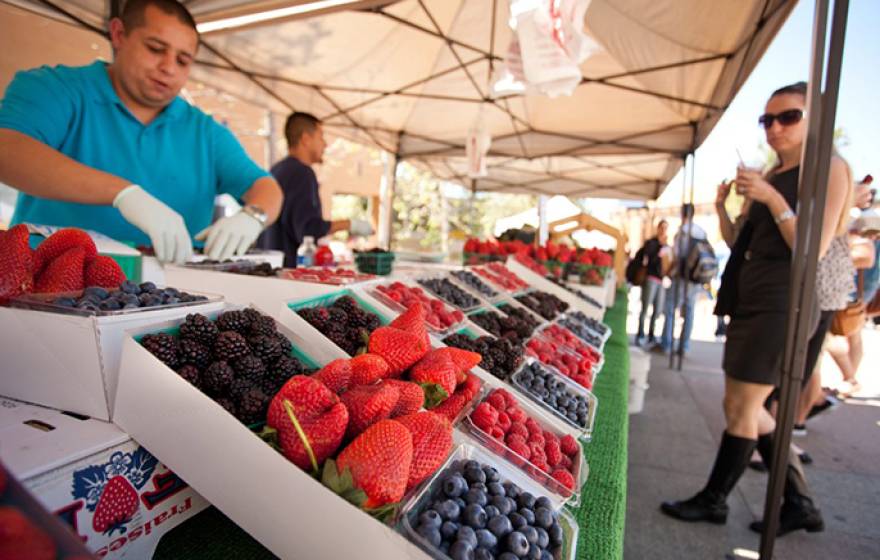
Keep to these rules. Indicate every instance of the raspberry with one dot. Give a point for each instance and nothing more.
(536, 439)
(515, 439)
(517, 415)
(564, 477)
(484, 416)
(565, 463)
(519, 429)
(471, 386)
(569, 445)
(550, 436)
(503, 421)
(496, 399)
(537, 452)
(554, 454)
(533, 426)
(519, 447)
(511, 400)
(497, 433)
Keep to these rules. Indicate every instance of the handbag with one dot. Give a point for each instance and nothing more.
(851, 318)
(725, 302)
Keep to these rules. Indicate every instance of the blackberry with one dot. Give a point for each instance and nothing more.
(252, 315)
(217, 377)
(249, 367)
(163, 346)
(374, 322)
(230, 345)
(286, 345)
(194, 353)
(237, 321)
(286, 367)
(191, 374)
(338, 315)
(267, 348)
(347, 304)
(239, 387)
(229, 405)
(199, 328)
(263, 325)
(316, 316)
(253, 406)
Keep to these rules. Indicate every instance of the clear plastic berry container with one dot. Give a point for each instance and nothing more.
(435, 327)
(564, 351)
(500, 278)
(412, 507)
(482, 289)
(556, 491)
(571, 388)
(330, 277)
(477, 301)
(45, 302)
(596, 353)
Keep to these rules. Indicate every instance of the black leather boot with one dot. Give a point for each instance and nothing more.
(798, 510)
(710, 503)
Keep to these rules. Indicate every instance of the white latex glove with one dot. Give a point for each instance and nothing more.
(232, 235)
(361, 227)
(165, 227)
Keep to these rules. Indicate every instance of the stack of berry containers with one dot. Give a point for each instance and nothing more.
(575, 464)
(459, 532)
(441, 318)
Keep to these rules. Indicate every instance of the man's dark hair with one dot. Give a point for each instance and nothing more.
(133, 13)
(297, 124)
(799, 88)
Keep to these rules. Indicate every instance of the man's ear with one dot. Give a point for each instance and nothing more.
(117, 32)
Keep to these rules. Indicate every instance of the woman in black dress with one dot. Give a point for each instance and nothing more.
(756, 335)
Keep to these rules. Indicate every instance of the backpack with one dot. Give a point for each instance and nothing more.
(701, 265)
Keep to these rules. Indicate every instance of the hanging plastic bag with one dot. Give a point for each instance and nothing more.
(477, 147)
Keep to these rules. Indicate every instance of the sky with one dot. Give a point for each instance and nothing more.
(786, 61)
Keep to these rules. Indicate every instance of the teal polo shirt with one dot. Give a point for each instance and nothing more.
(183, 157)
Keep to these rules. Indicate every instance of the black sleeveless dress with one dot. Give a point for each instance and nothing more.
(756, 335)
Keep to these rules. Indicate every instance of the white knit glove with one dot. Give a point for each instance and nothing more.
(232, 235)
(165, 227)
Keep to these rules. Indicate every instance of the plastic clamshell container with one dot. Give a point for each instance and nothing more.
(400, 308)
(477, 303)
(557, 493)
(308, 275)
(234, 265)
(43, 302)
(539, 333)
(466, 452)
(562, 349)
(488, 277)
(498, 296)
(573, 389)
(602, 331)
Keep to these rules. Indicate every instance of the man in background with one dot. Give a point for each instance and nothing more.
(656, 260)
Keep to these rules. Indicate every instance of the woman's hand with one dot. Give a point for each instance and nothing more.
(753, 186)
(722, 194)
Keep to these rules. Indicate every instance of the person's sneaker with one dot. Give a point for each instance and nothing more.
(830, 403)
(799, 430)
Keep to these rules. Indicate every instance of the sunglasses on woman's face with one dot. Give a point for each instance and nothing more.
(785, 118)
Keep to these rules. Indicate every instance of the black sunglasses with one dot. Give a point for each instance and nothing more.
(785, 118)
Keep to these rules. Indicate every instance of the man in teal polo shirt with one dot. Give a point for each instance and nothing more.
(110, 147)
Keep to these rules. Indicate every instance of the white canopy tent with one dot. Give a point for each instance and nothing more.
(412, 76)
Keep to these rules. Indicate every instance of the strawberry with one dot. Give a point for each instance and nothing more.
(103, 271)
(432, 441)
(368, 368)
(569, 445)
(413, 321)
(379, 461)
(464, 360)
(16, 263)
(367, 404)
(116, 506)
(336, 375)
(412, 398)
(451, 407)
(59, 243)
(63, 274)
(400, 349)
(20, 539)
(471, 386)
(310, 421)
(437, 375)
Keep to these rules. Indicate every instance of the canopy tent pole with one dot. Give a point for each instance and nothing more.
(543, 225)
(814, 171)
(685, 282)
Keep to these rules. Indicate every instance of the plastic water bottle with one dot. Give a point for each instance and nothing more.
(305, 255)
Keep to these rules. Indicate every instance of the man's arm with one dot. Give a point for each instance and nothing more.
(39, 170)
(339, 225)
(266, 193)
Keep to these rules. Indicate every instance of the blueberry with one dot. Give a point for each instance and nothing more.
(517, 544)
(467, 534)
(543, 538)
(147, 286)
(543, 517)
(517, 521)
(110, 305)
(526, 500)
(130, 287)
(461, 550)
(511, 505)
(129, 299)
(491, 474)
(495, 489)
(475, 496)
(483, 554)
(131, 306)
(481, 486)
(531, 534)
(572, 416)
(475, 475)
(449, 510)
(512, 490)
(173, 292)
(87, 306)
(486, 539)
(564, 400)
(492, 511)
(65, 302)
(500, 525)
(171, 300)
(96, 291)
(448, 530)
(454, 486)
(500, 503)
(534, 552)
(555, 532)
(471, 464)
(430, 534)
(508, 556)
(461, 503)
(430, 518)
(545, 555)
(475, 516)
(543, 502)
(528, 514)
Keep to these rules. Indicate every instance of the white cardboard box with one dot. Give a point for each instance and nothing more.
(66, 462)
(70, 362)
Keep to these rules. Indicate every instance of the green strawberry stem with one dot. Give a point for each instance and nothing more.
(302, 436)
(434, 394)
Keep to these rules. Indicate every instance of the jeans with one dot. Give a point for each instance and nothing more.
(652, 295)
(690, 296)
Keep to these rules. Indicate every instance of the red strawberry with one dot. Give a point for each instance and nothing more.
(20, 539)
(116, 506)
(16, 263)
(413, 321)
(484, 416)
(432, 441)
(412, 398)
(464, 360)
(367, 404)
(437, 375)
(564, 477)
(103, 271)
(320, 418)
(63, 274)
(471, 386)
(569, 445)
(451, 407)
(59, 243)
(401, 349)
(379, 461)
(336, 375)
(368, 368)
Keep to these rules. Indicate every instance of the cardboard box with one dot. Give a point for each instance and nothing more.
(67, 461)
(70, 362)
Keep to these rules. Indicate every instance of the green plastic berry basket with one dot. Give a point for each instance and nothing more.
(380, 264)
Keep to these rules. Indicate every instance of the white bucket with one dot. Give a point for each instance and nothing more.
(636, 397)
(639, 366)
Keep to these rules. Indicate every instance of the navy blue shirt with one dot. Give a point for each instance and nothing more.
(301, 214)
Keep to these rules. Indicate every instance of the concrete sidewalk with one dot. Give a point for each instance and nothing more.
(673, 442)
